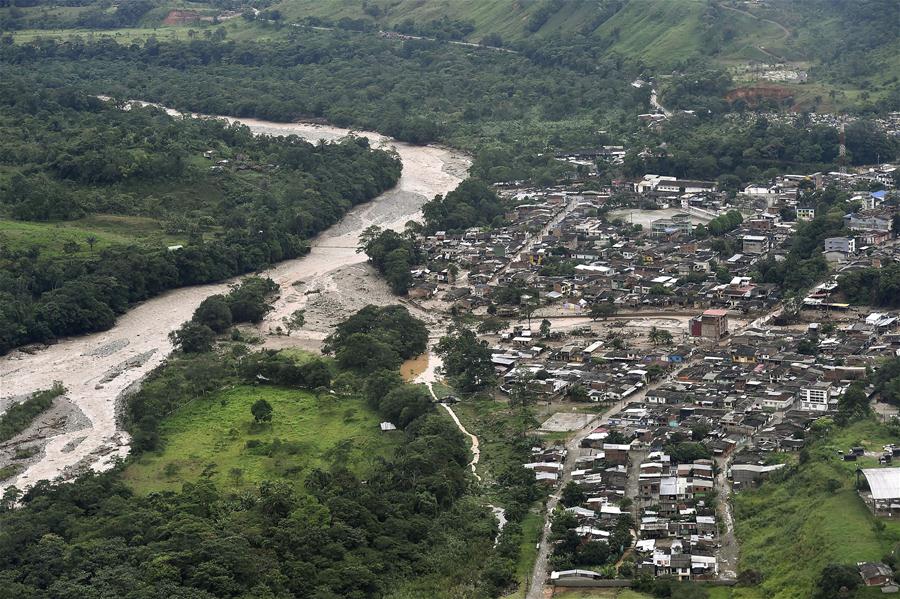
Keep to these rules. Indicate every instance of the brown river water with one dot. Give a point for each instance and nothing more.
(96, 369)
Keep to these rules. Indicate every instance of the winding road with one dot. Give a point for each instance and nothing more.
(98, 369)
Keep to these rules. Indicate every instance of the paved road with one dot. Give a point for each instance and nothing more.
(654, 102)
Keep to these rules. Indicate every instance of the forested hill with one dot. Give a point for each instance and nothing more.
(847, 49)
(103, 207)
(659, 32)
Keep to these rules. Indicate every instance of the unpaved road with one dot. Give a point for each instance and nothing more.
(143, 331)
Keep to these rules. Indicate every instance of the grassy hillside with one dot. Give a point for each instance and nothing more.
(790, 529)
(216, 438)
(75, 237)
(840, 44)
(665, 32)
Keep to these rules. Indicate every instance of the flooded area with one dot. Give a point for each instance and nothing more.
(98, 369)
(413, 368)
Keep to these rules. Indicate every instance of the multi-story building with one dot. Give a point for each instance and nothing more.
(712, 324)
(679, 223)
(806, 213)
(870, 220)
(840, 244)
(755, 244)
(815, 397)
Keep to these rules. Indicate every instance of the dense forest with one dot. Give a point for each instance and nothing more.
(417, 90)
(237, 202)
(472, 204)
(737, 151)
(393, 254)
(508, 109)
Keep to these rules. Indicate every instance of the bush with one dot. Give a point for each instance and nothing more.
(193, 338)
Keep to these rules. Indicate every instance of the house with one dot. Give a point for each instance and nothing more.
(839, 249)
(875, 574)
(616, 453)
(679, 224)
(840, 244)
(745, 475)
(680, 566)
(422, 290)
(870, 220)
(804, 214)
(574, 578)
(757, 190)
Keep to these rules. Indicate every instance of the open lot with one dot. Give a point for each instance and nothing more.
(216, 438)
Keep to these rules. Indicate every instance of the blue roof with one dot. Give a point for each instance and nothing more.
(878, 195)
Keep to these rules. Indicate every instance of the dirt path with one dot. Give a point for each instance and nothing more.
(654, 102)
(476, 452)
(83, 365)
(785, 31)
(428, 378)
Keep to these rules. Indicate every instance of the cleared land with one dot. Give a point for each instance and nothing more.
(216, 438)
(106, 231)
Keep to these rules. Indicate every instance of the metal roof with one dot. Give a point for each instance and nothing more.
(884, 482)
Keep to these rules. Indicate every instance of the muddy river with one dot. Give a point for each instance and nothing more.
(96, 369)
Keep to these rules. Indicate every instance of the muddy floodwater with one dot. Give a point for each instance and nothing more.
(413, 368)
(97, 369)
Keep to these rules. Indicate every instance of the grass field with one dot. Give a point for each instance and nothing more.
(209, 438)
(531, 535)
(789, 530)
(108, 230)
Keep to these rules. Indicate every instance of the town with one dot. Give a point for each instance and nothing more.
(643, 301)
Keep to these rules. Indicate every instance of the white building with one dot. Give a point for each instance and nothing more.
(840, 244)
(806, 214)
(816, 397)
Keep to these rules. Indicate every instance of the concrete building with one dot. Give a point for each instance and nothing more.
(712, 324)
(870, 220)
(804, 214)
(666, 184)
(679, 223)
(840, 244)
(815, 397)
(755, 244)
(745, 475)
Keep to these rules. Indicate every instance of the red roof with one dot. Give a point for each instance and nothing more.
(716, 313)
